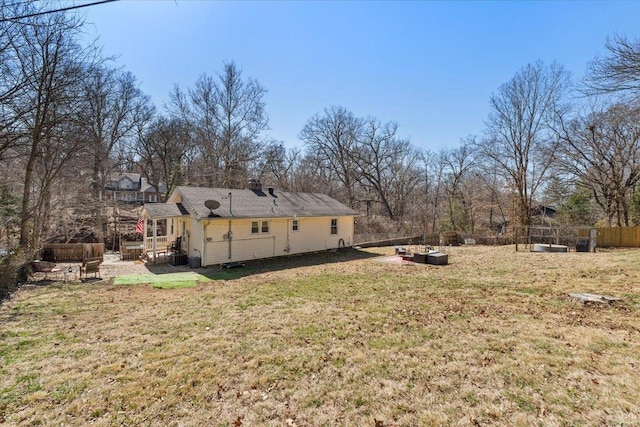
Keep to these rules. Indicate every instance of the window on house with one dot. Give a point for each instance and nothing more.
(258, 227)
(295, 225)
(334, 226)
(153, 198)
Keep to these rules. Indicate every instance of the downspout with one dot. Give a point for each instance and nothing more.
(230, 235)
(204, 243)
(288, 236)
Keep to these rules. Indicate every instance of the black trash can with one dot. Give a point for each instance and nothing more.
(194, 262)
(582, 246)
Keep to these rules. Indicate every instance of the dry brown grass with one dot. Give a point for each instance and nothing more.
(491, 339)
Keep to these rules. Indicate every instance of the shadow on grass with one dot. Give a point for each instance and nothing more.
(258, 266)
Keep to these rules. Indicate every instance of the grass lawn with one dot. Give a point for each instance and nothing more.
(490, 339)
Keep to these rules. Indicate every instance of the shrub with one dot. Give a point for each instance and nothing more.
(14, 270)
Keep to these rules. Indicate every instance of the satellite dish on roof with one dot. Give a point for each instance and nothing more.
(212, 204)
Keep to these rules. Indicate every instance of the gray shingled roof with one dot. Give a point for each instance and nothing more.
(164, 210)
(117, 176)
(260, 204)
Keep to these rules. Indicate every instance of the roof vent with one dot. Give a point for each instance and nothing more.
(271, 191)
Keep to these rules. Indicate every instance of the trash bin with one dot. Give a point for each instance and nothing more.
(582, 246)
(195, 262)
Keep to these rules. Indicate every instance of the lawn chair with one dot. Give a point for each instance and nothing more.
(90, 265)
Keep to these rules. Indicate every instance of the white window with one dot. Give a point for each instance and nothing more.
(294, 225)
(153, 198)
(334, 226)
(258, 227)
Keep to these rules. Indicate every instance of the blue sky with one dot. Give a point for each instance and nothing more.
(430, 66)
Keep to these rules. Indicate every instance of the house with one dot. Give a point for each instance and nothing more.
(129, 187)
(220, 225)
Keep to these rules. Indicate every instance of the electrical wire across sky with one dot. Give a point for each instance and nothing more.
(63, 9)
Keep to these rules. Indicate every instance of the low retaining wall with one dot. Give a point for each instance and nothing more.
(410, 240)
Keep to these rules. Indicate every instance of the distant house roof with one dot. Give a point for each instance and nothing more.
(151, 188)
(265, 203)
(546, 210)
(117, 176)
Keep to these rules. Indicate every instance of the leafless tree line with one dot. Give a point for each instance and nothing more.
(69, 117)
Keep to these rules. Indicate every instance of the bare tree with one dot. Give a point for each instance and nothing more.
(312, 173)
(333, 138)
(277, 165)
(433, 170)
(163, 150)
(114, 107)
(227, 116)
(601, 149)
(387, 165)
(13, 80)
(496, 201)
(619, 71)
(44, 57)
(519, 137)
(459, 162)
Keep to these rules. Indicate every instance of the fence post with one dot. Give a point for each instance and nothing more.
(593, 233)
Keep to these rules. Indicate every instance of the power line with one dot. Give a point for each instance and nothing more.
(64, 9)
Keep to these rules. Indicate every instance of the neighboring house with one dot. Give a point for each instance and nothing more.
(131, 187)
(543, 211)
(227, 225)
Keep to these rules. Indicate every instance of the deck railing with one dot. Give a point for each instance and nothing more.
(161, 243)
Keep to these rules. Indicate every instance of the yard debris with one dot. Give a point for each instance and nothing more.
(595, 298)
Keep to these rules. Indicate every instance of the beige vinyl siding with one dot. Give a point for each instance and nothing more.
(314, 235)
(187, 238)
(216, 245)
(195, 237)
(247, 246)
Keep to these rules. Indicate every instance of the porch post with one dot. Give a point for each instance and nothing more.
(155, 239)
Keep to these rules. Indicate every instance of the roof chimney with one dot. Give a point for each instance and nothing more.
(255, 184)
(271, 190)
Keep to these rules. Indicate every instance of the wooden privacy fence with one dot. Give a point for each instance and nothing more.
(618, 237)
(71, 252)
